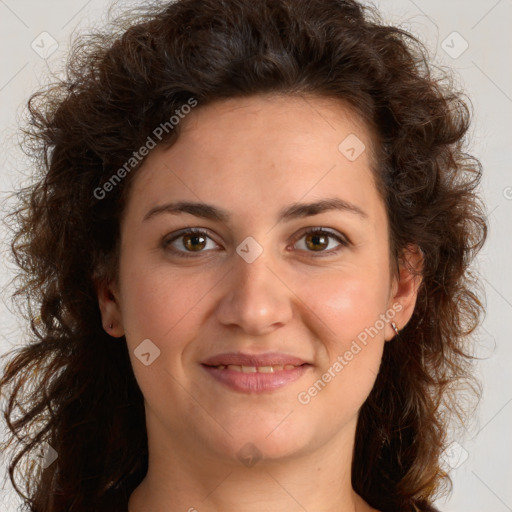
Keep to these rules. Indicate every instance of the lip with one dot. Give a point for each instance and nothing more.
(255, 382)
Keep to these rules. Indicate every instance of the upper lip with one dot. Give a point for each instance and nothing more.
(241, 359)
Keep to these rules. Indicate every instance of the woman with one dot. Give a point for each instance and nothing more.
(247, 265)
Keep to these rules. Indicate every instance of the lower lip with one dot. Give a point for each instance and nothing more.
(256, 382)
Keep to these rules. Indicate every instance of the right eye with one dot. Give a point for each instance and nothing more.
(192, 240)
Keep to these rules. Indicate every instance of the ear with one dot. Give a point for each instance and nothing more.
(108, 301)
(404, 289)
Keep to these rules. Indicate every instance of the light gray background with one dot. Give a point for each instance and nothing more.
(482, 471)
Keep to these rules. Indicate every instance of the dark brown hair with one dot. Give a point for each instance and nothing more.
(72, 385)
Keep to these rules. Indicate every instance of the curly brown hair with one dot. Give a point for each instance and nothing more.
(73, 386)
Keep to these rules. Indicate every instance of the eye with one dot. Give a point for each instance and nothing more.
(317, 239)
(185, 243)
(193, 240)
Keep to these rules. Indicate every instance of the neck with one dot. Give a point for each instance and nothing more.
(186, 478)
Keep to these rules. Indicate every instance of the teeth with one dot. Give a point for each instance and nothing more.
(256, 369)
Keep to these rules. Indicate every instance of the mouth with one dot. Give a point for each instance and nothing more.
(256, 369)
(248, 373)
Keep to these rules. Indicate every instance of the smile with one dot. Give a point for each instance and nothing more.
(256, 369)
(256, 379)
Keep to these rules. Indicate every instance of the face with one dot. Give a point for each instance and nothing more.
(255, 328)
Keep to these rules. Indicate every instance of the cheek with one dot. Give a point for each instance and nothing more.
(158, 303)
(164, 307)
(348, 303)
(348, 310)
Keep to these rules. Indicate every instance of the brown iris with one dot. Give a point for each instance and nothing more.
(191, 239)
(316, 237)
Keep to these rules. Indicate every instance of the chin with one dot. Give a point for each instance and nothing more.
(259, 443)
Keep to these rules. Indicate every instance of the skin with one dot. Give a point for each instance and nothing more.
(252, 157)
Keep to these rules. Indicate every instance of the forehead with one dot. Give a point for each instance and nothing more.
(282, 121)
(257, 152)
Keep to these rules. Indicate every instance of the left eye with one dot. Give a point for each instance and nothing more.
(319, 237)
(195, 240)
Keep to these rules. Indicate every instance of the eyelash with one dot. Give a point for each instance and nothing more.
(166, 242)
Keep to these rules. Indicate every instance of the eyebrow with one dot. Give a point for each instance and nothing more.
(292, 211)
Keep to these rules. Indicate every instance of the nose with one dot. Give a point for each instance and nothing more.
(256, 297)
